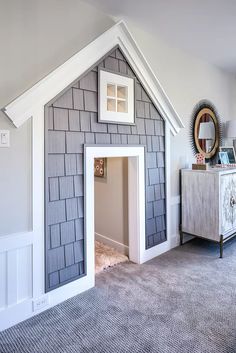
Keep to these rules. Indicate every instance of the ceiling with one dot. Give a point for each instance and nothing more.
(205, 28)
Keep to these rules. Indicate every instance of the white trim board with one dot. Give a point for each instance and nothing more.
(35, 98)
(123, 249)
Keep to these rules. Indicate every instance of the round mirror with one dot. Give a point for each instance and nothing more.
(206, 132)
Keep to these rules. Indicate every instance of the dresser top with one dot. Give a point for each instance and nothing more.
(214, 170)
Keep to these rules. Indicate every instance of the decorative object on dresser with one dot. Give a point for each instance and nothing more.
(200, 165)
(196, 166)
(208, 204)
(205, 130)
(224, 158)
(200, 158)
(230, 152)
(230, 131)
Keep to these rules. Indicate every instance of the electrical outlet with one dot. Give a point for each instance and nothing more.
(40, 303)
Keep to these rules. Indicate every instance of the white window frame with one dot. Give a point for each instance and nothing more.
(104, 115)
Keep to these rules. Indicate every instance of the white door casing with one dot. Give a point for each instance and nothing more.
(136, 199)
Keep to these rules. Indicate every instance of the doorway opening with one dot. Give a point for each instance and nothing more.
(134, 157)
(111, 212)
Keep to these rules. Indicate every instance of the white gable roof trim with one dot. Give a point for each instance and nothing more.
(23, 107)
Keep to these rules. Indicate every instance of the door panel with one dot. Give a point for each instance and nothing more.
(228, 209)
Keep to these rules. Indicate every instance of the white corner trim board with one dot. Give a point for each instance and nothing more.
(23, 107)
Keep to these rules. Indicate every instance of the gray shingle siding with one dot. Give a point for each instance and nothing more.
(72, 121)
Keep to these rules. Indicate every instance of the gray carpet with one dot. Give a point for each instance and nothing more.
(183, 301)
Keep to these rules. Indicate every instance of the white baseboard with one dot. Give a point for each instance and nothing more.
(123, 249)
(15, 314)
(149, 253)
(175, 241)
(160, 249)
(22, 311)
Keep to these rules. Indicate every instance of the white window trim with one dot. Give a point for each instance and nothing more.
(106, 116)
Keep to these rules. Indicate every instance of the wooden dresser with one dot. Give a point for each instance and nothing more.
(208, 204)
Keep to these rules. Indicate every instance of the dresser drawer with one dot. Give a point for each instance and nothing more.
(227, 203)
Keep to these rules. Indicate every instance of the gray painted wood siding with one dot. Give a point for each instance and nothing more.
(71, 121)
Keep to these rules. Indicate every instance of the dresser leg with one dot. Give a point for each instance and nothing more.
(181, 237)
(221, 246)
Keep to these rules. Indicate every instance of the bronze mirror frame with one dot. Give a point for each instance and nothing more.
(202, 108)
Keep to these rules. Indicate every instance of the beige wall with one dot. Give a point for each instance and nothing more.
(38, 35)
(111, 201)
(15, 179)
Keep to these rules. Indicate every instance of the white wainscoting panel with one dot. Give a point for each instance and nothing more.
(16, 277)
(24, 274)
(3, 280)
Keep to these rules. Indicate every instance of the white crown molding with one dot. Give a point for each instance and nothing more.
(23, 107)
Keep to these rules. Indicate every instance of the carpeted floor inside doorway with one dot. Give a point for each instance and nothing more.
(181, 302)
(106, 257)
